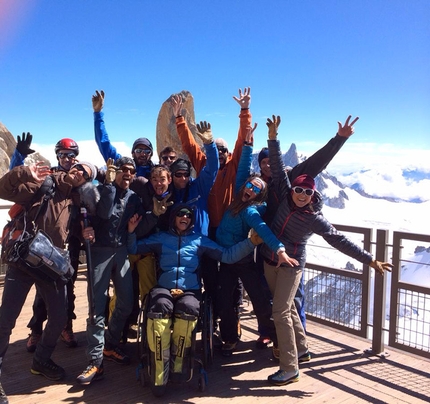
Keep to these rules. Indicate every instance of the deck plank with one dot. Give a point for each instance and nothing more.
(339, 372)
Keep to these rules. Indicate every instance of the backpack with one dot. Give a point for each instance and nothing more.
(14, 228)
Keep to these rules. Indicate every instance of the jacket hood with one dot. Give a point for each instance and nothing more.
(175, 209)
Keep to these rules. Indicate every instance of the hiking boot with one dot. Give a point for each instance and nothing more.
(282, 377)
(276, 353)
(32, 341)
(68, 337)
(228, 348)
(262, 342)
(3, 396)
(306, 357)
(49, 369)
(91, 373)
(116, 355)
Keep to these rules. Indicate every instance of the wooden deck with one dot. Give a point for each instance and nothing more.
(339, 372)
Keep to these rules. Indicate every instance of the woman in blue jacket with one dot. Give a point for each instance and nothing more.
(244, 214)
(178, 291)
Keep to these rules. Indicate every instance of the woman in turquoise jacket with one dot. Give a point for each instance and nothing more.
(244, 214)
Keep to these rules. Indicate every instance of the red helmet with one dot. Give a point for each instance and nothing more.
(67, 144)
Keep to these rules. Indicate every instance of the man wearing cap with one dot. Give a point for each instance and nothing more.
(108, 232)
(142, 148)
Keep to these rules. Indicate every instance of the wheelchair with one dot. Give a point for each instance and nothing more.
(146, 371)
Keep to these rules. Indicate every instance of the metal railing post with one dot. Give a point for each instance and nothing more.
(379, 295)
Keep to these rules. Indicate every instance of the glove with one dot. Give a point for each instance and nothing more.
(205, 132)
(255, 238)
(160, 207)
(110, 172)
(23, 145)
(381, 266)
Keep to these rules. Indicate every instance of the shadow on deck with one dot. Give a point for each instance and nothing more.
(340, 371)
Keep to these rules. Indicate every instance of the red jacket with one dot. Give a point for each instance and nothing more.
(222, 191)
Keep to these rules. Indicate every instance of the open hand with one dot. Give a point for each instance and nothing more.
(177, 104)
(204, 132)
(39, 171)
(381, 266)
(283, 257)
(23, 144)
(273, 125)
(244, 98)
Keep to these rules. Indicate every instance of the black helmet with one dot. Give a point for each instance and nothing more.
(67, 144)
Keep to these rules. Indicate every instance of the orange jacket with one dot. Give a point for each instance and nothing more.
(222, 191)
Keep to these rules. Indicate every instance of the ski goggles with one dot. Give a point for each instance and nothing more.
(252, 187)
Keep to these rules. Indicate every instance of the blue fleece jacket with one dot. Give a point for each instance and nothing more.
(234, 229)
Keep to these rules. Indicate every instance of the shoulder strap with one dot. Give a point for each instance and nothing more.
(48, 191)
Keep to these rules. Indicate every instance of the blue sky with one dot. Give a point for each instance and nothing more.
(312, 62)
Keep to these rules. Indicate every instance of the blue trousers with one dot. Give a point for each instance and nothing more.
(108, 263)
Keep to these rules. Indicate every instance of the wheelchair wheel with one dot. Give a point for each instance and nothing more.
(207, 331)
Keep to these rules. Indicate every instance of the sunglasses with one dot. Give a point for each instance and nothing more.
(180, 175)
(126, 169)
(69, 155)
(300, 190)
(171, 158)
(184, 212)
(82, 170)
(145, 151)
(254, 188)
(222, 149)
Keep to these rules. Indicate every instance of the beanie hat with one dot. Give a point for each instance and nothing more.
(122, 161)
(142, 140)
(91, 166)
(264, 154)
(180, 164)
(305, 181)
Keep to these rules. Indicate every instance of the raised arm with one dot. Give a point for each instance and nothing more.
(189, 145)
(244, 100)
(244, 168)
(207, 176)
(22, 150)
(101, 136)
(319, 161)
(280, 179)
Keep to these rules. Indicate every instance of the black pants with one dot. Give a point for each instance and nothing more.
(39, 306)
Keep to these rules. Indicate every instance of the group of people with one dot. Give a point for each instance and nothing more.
(165, 231)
